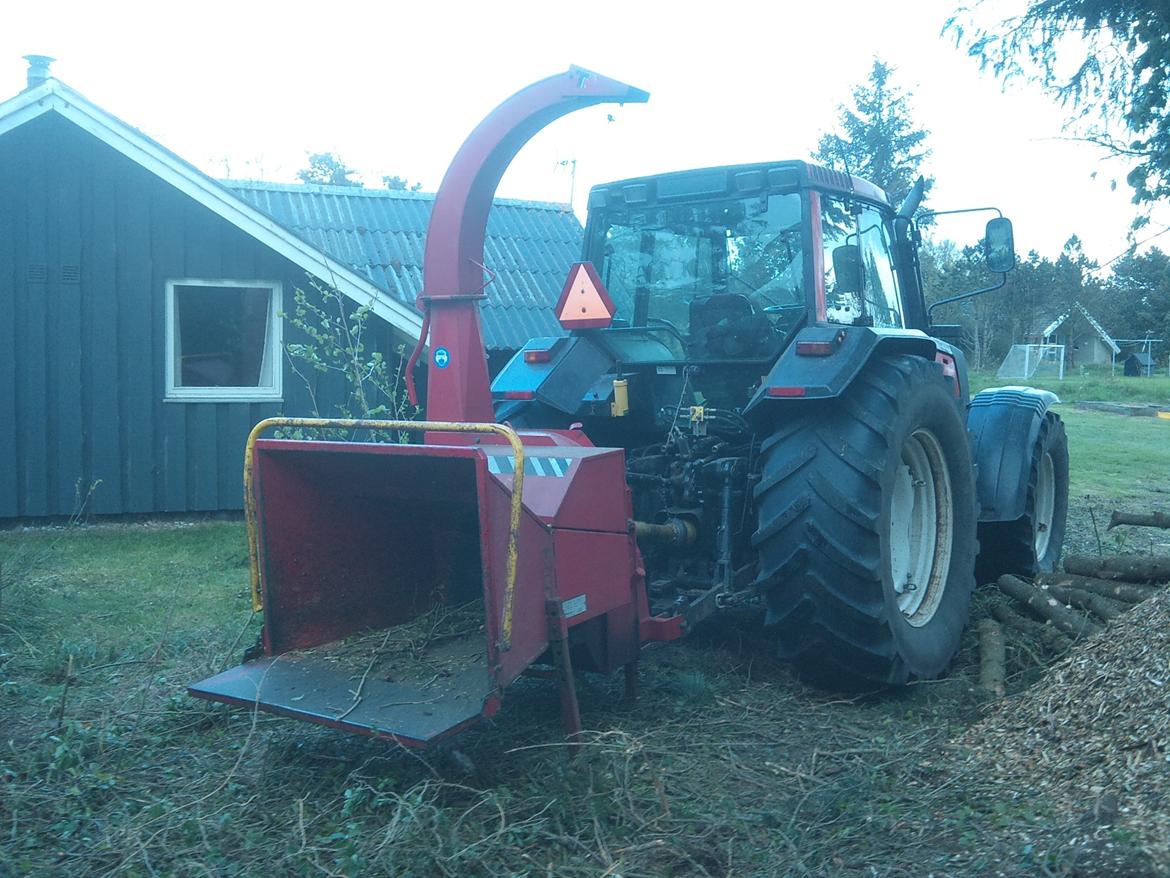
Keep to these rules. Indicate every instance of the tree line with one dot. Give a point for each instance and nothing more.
(1108, 63)
(1130, 298)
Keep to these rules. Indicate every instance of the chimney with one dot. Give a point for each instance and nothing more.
(38, 69)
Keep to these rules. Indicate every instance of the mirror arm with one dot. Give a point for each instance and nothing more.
(961, 296)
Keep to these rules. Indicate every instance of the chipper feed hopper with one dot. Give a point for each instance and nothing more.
(751, 406)
(508, 538)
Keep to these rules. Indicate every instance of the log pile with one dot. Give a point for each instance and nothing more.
(1059, 609)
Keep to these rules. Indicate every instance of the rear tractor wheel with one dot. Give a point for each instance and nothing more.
(866, 539)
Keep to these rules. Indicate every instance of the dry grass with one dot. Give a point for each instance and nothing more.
(725, 766)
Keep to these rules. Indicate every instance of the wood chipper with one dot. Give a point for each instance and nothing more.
(751, 405)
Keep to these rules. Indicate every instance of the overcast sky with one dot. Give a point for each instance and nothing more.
(247, 89)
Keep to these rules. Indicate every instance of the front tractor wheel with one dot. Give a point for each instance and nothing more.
(1033, 543)
(866, 539)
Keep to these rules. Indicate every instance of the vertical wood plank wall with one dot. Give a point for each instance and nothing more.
(81, 350)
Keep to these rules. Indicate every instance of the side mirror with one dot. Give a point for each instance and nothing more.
(999, 246)
(847, 268)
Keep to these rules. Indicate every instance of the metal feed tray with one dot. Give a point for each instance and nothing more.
(322, 685)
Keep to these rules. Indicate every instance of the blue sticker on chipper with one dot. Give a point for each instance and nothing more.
(442, 358)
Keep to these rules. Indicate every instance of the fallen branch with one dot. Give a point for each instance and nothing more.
(1140, 519)
(991, 657)
(1044, 604)
(1052, 639)
(1101, 607)
(1131, 568)
(1130, 592)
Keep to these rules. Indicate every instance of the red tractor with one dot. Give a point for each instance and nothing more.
(751, 406)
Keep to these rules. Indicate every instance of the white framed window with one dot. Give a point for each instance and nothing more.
(223, 340)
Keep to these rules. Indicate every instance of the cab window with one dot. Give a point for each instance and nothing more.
(860, 285)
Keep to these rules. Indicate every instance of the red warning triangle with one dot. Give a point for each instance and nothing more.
(584, 302)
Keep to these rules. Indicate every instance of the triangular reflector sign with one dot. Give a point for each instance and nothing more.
(584, 302)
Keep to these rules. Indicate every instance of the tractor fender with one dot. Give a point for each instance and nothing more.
(1004, 424)
(556, 371)
(822, 361)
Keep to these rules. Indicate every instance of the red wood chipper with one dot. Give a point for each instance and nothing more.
(532, 527)
(751, 405)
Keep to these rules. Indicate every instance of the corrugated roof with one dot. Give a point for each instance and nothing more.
(381, 233)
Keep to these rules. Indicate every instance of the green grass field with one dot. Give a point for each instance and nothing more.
(1096, 384)
(725, 766)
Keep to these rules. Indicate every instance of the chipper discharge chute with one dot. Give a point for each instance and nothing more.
(403, 585)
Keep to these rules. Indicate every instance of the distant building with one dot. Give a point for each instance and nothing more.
(1139, 363)
(139, 300)
(1085, 341)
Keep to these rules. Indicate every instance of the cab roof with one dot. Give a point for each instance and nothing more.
(732, 180)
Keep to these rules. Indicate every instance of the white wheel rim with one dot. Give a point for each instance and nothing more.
(921, 527)
(1045, 506)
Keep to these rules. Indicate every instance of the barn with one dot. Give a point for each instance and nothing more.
(141, 302)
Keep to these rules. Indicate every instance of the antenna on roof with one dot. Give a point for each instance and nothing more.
(38, 70)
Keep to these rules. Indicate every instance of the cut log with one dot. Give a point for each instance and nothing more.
(1048, 635)
(1101, 607)
(1130, 568)
(1130, 592)
(1069, 621)
(1141, 519)
(991, 658)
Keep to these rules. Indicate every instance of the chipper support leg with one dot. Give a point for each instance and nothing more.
(558, 641)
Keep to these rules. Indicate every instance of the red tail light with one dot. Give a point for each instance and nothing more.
(815, 348)
(537, 356)
(785, 391)
(519, 394)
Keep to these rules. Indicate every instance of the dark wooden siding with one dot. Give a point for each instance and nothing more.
(82, 360)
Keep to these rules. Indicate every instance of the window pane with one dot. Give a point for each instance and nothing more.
(691, 272)
(881, 289)
(870, 292)
(839, 232)
(220, 336)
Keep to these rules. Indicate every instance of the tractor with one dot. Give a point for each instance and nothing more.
(750, 406)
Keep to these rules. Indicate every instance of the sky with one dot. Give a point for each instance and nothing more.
(247, 89)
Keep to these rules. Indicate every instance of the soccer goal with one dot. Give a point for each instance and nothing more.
(1033, 361)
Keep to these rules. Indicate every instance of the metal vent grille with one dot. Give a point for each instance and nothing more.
(70, 274)
(38, 272)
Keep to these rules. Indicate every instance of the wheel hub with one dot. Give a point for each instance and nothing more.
(1045, 505)
(921, 527)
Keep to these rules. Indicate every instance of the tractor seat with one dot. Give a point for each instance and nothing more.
(726, 327)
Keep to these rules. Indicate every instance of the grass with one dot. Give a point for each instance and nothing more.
(725, 766)
(1091, 384)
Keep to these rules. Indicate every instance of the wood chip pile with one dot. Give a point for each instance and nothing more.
(1093, 735)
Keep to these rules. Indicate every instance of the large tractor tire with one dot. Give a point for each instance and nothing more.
(867, 520)
(1032, 543)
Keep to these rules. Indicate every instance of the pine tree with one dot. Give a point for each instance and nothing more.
(876, 137)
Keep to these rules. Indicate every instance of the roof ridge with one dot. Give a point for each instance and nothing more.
(362, 191)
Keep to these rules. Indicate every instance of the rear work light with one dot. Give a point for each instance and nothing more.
(820, 347)
(537, 356)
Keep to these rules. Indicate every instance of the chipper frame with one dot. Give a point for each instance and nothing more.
(352, 542)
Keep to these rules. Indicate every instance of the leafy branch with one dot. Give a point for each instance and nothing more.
(336, 350)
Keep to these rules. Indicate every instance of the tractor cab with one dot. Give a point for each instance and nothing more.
(711, 271)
